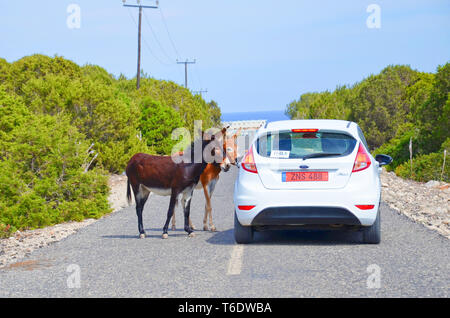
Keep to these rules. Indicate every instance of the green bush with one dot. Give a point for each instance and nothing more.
(425, 168)
(433, 115)
(378, 103)
(37, 66)
(190, 107)
(105, 115)
(398, 147)
(44, 175)
(158, 135)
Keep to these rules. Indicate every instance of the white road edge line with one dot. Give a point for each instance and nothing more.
(235, 264)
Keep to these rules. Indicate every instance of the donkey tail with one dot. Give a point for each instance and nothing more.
(128, 192)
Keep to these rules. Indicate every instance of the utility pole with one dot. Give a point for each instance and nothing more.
(201, 91)
(185, 70)
(138, 5)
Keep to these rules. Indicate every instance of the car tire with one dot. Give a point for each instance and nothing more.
(372, 234)
(242, 234)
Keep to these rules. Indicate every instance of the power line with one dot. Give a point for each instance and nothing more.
(197, 76)
(168, 33)
(156, 39)
(146, 43)
(139, 26)
(169, 36)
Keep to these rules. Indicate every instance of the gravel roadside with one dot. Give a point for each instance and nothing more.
(424, 203)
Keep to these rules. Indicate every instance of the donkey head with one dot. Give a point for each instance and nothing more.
(213, 148)
(231, 150)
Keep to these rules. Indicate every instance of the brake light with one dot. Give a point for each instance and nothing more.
(249, 162)
(365, 206)
(245, 207)
(305, 130)
(362, 160)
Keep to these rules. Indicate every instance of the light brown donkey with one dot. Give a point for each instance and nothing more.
(210, 176)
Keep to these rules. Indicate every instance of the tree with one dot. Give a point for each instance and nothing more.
(433, 115)
(215, 112)
(157, 123)
(379, 105)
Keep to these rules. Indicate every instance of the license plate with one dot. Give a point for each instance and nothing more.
(305, 176)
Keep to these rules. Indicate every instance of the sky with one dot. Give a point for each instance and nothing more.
(250, 55)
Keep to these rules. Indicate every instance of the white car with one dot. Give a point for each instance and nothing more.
(308, 174)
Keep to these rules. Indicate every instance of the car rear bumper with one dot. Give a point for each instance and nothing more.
(302, 215)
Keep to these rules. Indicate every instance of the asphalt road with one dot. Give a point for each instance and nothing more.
(112, 262)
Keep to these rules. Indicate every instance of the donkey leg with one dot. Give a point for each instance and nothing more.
(207, 207)
(186, 200)
(173, 216)
(173, 200)
(183, 201)
(190, 224)
(140, 198)
(173, 221)
(211, 187)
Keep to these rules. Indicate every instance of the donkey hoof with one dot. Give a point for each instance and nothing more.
(192, 234)
(173, 228)
(205, 228)
(142, 235)
(165, 236)
(213, 229)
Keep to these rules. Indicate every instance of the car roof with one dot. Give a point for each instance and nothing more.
(332, 124)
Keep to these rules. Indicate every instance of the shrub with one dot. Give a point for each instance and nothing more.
(44, 175)
(105, 115)
(37, 66)
(158, 136)
(398, 147)
(425, 168)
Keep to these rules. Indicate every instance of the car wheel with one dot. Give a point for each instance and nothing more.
(372, 234)
(242, 234)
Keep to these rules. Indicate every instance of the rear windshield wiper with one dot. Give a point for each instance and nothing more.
(320, 154)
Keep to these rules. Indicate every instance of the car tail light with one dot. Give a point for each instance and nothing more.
(362, 160)
(305, 130)
(365, 206)
(246, 207)
(249, 162)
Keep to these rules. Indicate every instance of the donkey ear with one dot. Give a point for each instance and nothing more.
(236, 134)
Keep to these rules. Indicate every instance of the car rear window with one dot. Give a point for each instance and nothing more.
(292, 145)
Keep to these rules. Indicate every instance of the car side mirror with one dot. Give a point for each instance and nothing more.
(383, 159)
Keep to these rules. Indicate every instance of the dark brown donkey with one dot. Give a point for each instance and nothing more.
(163, 176)
(210, 176)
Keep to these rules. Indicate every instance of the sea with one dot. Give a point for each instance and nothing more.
(273, 115)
